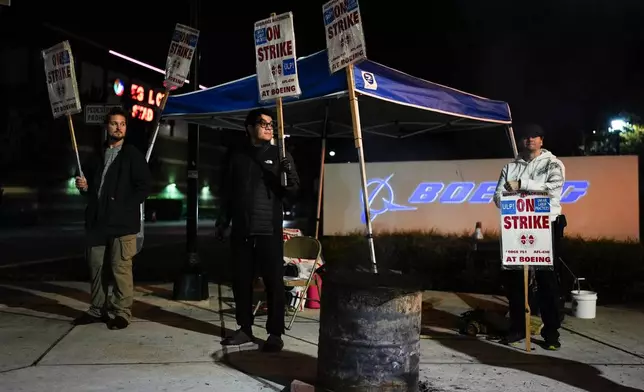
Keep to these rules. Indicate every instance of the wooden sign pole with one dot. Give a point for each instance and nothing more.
(357, 135)
(280, 134)
(70, 123)
(528, 333)
(148, 154)
(280, 128)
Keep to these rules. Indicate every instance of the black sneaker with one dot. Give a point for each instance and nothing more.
(87, 318)
(552, 344)
(273, 344)
(118, 322)
(238, 338)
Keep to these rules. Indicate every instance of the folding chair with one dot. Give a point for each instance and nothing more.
(302, 247)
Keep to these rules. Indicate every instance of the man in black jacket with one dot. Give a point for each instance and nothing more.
(118, 181)
(253, 195)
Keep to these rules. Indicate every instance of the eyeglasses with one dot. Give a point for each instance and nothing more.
(265, 125)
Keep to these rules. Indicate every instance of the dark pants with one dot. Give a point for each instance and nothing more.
(548, 294)
(266, 253)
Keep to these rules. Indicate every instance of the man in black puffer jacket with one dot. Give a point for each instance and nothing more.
(253, 194)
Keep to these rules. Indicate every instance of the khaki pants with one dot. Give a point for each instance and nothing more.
(119, 252)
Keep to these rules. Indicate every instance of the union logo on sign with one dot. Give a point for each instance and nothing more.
(345, 41)
(176, 63)
(527, 240)
(61, 89)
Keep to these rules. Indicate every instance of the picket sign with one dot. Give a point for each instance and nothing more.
(526, 238)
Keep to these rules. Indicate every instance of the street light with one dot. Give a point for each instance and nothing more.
(618, 125)
(332, 153)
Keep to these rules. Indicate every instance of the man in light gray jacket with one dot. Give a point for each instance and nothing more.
(535, 169)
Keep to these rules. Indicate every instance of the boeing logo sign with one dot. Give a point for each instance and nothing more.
(382, 196)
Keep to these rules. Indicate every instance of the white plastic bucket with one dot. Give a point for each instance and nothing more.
(584, 304)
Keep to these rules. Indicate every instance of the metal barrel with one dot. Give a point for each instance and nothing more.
(369, 333)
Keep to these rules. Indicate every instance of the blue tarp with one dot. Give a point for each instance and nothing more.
(392, 103)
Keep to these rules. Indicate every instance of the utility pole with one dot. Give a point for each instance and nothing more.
(192, 283)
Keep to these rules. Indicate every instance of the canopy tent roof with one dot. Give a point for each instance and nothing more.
(392, 103)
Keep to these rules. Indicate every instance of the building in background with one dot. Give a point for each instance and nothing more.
(37, 163)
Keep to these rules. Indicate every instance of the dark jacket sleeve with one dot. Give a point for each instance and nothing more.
(225, 192)
(292, 187)
(140, 176)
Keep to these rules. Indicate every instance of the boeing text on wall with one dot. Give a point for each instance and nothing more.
(381, 192)
(451, 196)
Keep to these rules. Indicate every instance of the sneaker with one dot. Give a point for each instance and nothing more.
(273, 344)
(87, 318)
(118, 322)
(552, 344)
(238, 338)
(512, 338)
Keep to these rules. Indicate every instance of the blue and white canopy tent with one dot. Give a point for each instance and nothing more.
(392, 104)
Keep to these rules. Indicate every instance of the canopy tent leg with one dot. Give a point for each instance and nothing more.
(513, 142)
(357, 134)
(321, 179)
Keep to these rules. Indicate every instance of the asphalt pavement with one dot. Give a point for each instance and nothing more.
(175, 346)
(57, 253)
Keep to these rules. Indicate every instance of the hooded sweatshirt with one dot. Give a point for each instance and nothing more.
(543, 173)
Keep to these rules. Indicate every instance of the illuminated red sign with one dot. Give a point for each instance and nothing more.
(145, 100)
(139, 94)
(148, 100)
(142, 113)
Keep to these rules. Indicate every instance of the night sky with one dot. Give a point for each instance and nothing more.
(567, 64)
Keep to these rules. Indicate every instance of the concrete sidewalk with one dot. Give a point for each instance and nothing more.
(175, 346)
